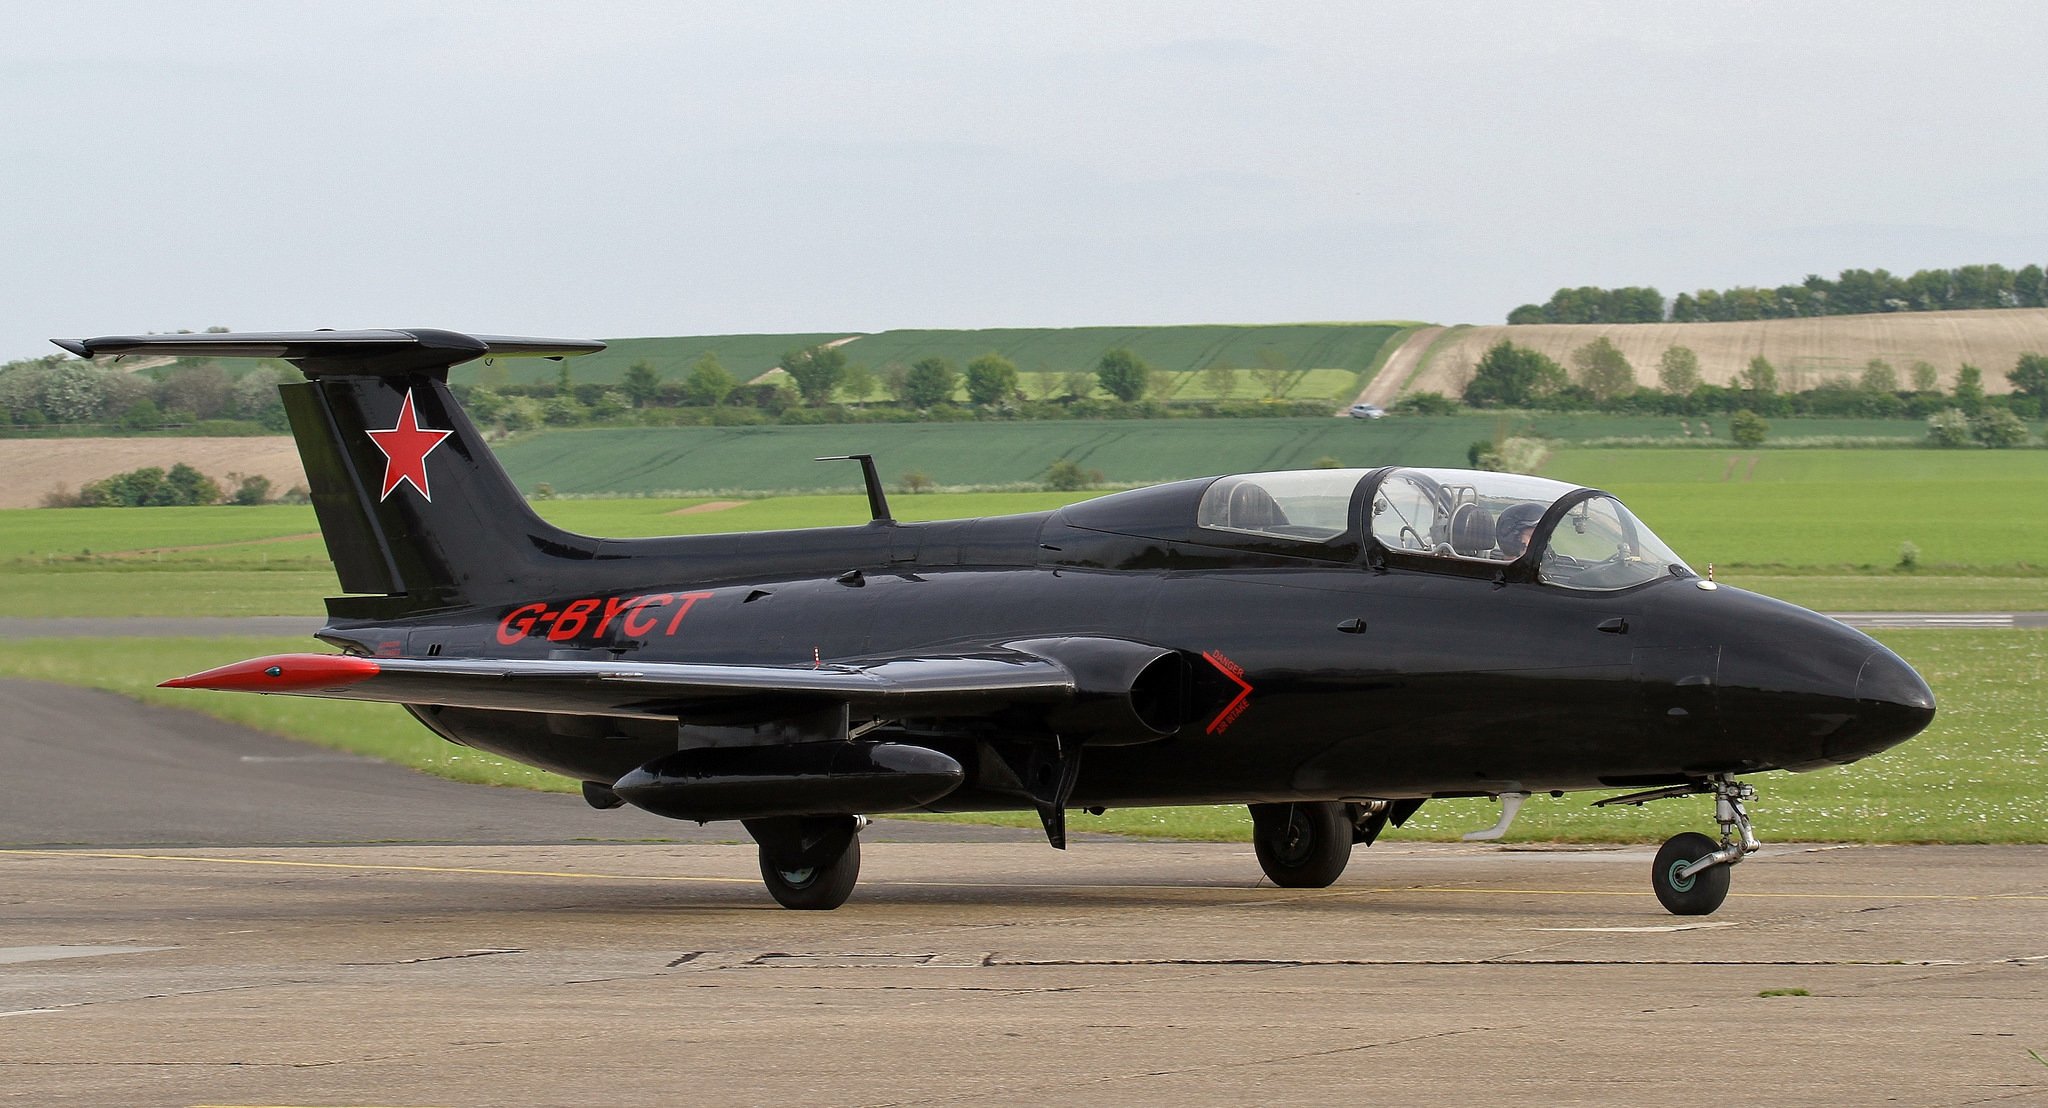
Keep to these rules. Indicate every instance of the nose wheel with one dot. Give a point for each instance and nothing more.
(1690, 875)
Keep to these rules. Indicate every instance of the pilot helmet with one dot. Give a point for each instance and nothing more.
(1514, 520)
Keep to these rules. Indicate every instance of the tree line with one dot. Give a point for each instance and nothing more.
(62, 390)
(1602, 379)
(1851, 292)
(205, 397)
(822, 386)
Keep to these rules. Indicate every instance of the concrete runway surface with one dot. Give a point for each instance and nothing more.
(521, 967)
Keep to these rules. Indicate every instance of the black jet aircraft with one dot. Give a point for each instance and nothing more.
(1332, 648)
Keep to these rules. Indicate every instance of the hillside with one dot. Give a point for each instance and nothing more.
(1347, 347)
(1806, 352)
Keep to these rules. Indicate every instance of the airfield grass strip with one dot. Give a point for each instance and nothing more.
(1974, 777)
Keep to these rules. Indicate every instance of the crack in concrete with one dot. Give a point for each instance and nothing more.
(436, 958)
(994, 962)
(1216, 1067)
(2017, 1092)
(187, 1064)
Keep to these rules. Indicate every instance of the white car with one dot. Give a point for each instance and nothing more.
(1368, 411)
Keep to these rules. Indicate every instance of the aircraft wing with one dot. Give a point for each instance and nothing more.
(958, 684)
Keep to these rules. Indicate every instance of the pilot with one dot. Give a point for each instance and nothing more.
(1512, 530)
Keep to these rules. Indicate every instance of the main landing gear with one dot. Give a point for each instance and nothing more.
(1304, 845)
(809, 863)
(1691, 875)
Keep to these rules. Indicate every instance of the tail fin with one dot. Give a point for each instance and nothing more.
(414, 507)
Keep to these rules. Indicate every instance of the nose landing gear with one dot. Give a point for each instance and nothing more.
(1690, 875)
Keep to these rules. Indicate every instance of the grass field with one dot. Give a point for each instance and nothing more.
(1817, 508)
(1346, 347)
(1972, 777)
(1821, 528)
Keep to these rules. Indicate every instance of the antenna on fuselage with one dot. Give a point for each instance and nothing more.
(878, 504)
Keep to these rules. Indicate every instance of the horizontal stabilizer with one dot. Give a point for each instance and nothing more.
(374, 353)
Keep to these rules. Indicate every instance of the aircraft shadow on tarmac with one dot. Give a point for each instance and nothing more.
(97, 769)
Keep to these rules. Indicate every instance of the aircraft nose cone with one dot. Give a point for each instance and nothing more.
(1887, 678)
(1893, 704)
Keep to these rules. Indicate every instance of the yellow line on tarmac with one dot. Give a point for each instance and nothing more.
(380, 866)
(1333, 891)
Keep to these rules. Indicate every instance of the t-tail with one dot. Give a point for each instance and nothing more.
(416, 511)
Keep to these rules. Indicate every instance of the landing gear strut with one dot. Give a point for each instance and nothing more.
(1690, 875)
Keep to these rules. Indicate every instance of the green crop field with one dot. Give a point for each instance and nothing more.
(1972, 777)
(644, 461)
(654, 460)
(1342, 352)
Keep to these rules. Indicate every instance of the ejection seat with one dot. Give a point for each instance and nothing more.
(1472, 531)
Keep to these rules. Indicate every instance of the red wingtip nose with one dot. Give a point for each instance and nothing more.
(281, 673)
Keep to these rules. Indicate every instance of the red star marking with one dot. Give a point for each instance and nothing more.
(405, 448)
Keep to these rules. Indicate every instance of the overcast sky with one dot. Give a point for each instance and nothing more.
(618, 169)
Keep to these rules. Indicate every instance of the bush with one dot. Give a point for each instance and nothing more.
(1949, 429)
(2000, 429)
(565, 411)
(1066, 475)
(522, 413)
(142, 416)
(151, 487)
(249, 491)
(1748, 428)
(1426, 404)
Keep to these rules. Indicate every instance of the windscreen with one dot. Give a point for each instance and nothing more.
(1599, 545)
(1477, 516)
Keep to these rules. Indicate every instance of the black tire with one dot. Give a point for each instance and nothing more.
(818, 888)
(1303, 845)
(1697, 895)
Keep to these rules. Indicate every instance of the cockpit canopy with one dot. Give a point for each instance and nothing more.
(1581, 538)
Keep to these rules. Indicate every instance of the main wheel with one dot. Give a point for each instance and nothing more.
(1303, 845)
(814, 888)
(1697, 895)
